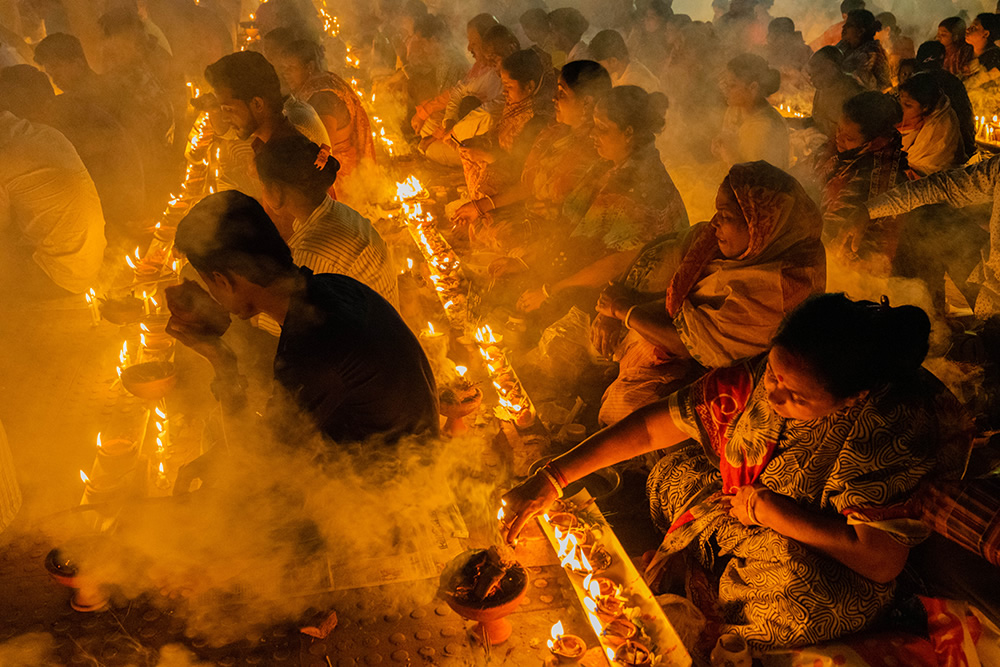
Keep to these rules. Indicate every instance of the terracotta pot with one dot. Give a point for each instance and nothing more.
(151, 380)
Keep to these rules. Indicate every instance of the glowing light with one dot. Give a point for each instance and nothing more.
(161, 467)
(595, 623)
(160, 413)
(84, 478)
(556, 632)
(430, 328)
(611, 654)
(409, 263)
(128, 260)
(98, 439)
(462, 370)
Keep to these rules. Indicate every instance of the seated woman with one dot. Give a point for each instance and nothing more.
(864, 57)
(752, 129)
(335, 101)
(984, 71)
(868, 161)
(327, 237)
(795, 490)
(932, 136)
(611, 214)
(494, 162)
(958, 52)
(728, 283)
(897, 46)
(563, 153)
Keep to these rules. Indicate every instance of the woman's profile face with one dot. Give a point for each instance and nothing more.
(852, 34)
(570, 109)
(849, 135)
(945, 37)
(293, 71)
(977, 36)
(738, 93)
(729, 223)
(612, 143)
(913, 112)
(793, 391)
(513, 89)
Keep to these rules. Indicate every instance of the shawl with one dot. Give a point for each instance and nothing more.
(362, 143)
(558, 161)
(725, 309)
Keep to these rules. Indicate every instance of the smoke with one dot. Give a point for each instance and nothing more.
(29, 650)
(277, 526)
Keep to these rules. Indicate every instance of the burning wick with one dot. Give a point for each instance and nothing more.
(98, 439)
(95, 313)
(566, 648)
(500, 512)
(84, 478)
(461, 370)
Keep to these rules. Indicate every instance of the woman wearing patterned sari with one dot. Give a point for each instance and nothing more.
(869, 160)
(613, 212)
(495, 163)
(728, 283)
(335, 101)
(790, 475)
(563, 153)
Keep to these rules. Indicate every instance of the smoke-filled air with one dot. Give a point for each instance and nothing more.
(658, 333)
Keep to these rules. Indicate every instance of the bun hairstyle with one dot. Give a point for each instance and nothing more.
(632, 107)
(750, 68)
(865, 21)
(876, 113)
(855, 346)
(293, 161)
(306, 52)
(586, 78)
(524, 67)
(925, 89)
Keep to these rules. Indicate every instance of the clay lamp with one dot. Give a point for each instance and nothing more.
(116, 456)
(618, 631)
(151, 380)
(566, 649)
(88, 594)
(632, 654)
(480, 586)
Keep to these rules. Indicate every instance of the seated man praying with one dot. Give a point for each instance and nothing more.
(345, 357)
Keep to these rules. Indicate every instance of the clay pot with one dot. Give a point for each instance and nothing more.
(88, 594)
(151, 380)
(457, 412)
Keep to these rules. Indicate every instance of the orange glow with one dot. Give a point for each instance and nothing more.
(84, 478)
(98, 439)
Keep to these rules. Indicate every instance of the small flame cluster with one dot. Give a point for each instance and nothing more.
(514, 402)
(988, 129)
(788, 111)
(331, 24)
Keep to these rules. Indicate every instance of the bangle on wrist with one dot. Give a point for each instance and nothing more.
(628, 316)
(751, 501)
(475, 204)
(552, 480)
(493, 205)
(545, 291)
(557, 473)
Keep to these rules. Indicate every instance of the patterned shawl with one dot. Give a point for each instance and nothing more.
(362, 144)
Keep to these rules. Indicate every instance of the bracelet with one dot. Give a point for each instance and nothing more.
(557, 473)
(628, 315)
(545, 291)
(493, 205)
(475, 204)
(552, 481)
(751, 514)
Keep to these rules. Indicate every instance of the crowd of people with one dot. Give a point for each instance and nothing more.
(786, 426)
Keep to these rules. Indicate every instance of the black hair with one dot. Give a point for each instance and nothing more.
(415, 9)
(930, 55)
(848, 6)
(292, 161)
(781, 26)
(865, 20)
(955, 25)
(569, 21)
(991, 24)
(855, 346)
(923, 88)
(500, 39)
(24, 90)
(876, 113)
(247, 75)
(608, 44)
(121, 20)
(230, 233)
(59, 47)
(664, 9)
(586, 78)
(430, 26)
(535, 18)
(524, 66)
(632, 107)
(305, 51)
(283, 36)
(751, 68)
(888, 20)
(482, 22)
(832, 54)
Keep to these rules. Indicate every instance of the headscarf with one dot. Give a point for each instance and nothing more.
(780, 217)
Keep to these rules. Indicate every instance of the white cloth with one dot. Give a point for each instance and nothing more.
(761, 134)
(338, 239)
(10, 492)
(637, 74)
(47, 194)
(937, 145)
(306, 120)
(480, 82)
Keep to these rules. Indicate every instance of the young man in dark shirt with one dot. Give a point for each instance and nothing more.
(345, 358)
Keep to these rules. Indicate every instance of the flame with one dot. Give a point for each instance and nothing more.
(610, 653)
(160, 413)
(557, 630)
(161, 467)
(84, 478)
(137, 255)
(142, 339)
(500, 514)
(89, 299)
(461, 370)
(128, 260)
(590, 604)
(159, 445)
(430, 328)
(448, 304)
(595, 623)
(594, 588)
(143, 327)
(98, 439)
(586, 582)
(153, 301)
(409, 263)
(159, 427)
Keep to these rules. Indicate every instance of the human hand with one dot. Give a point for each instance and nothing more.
(466, 214)
(211, 347)
(855, 232)
(746, 503)
(531, 300)
(605, 333)
(615, 301)
(201, 468)
(417, 122)
(503, 266)
(525, 501)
